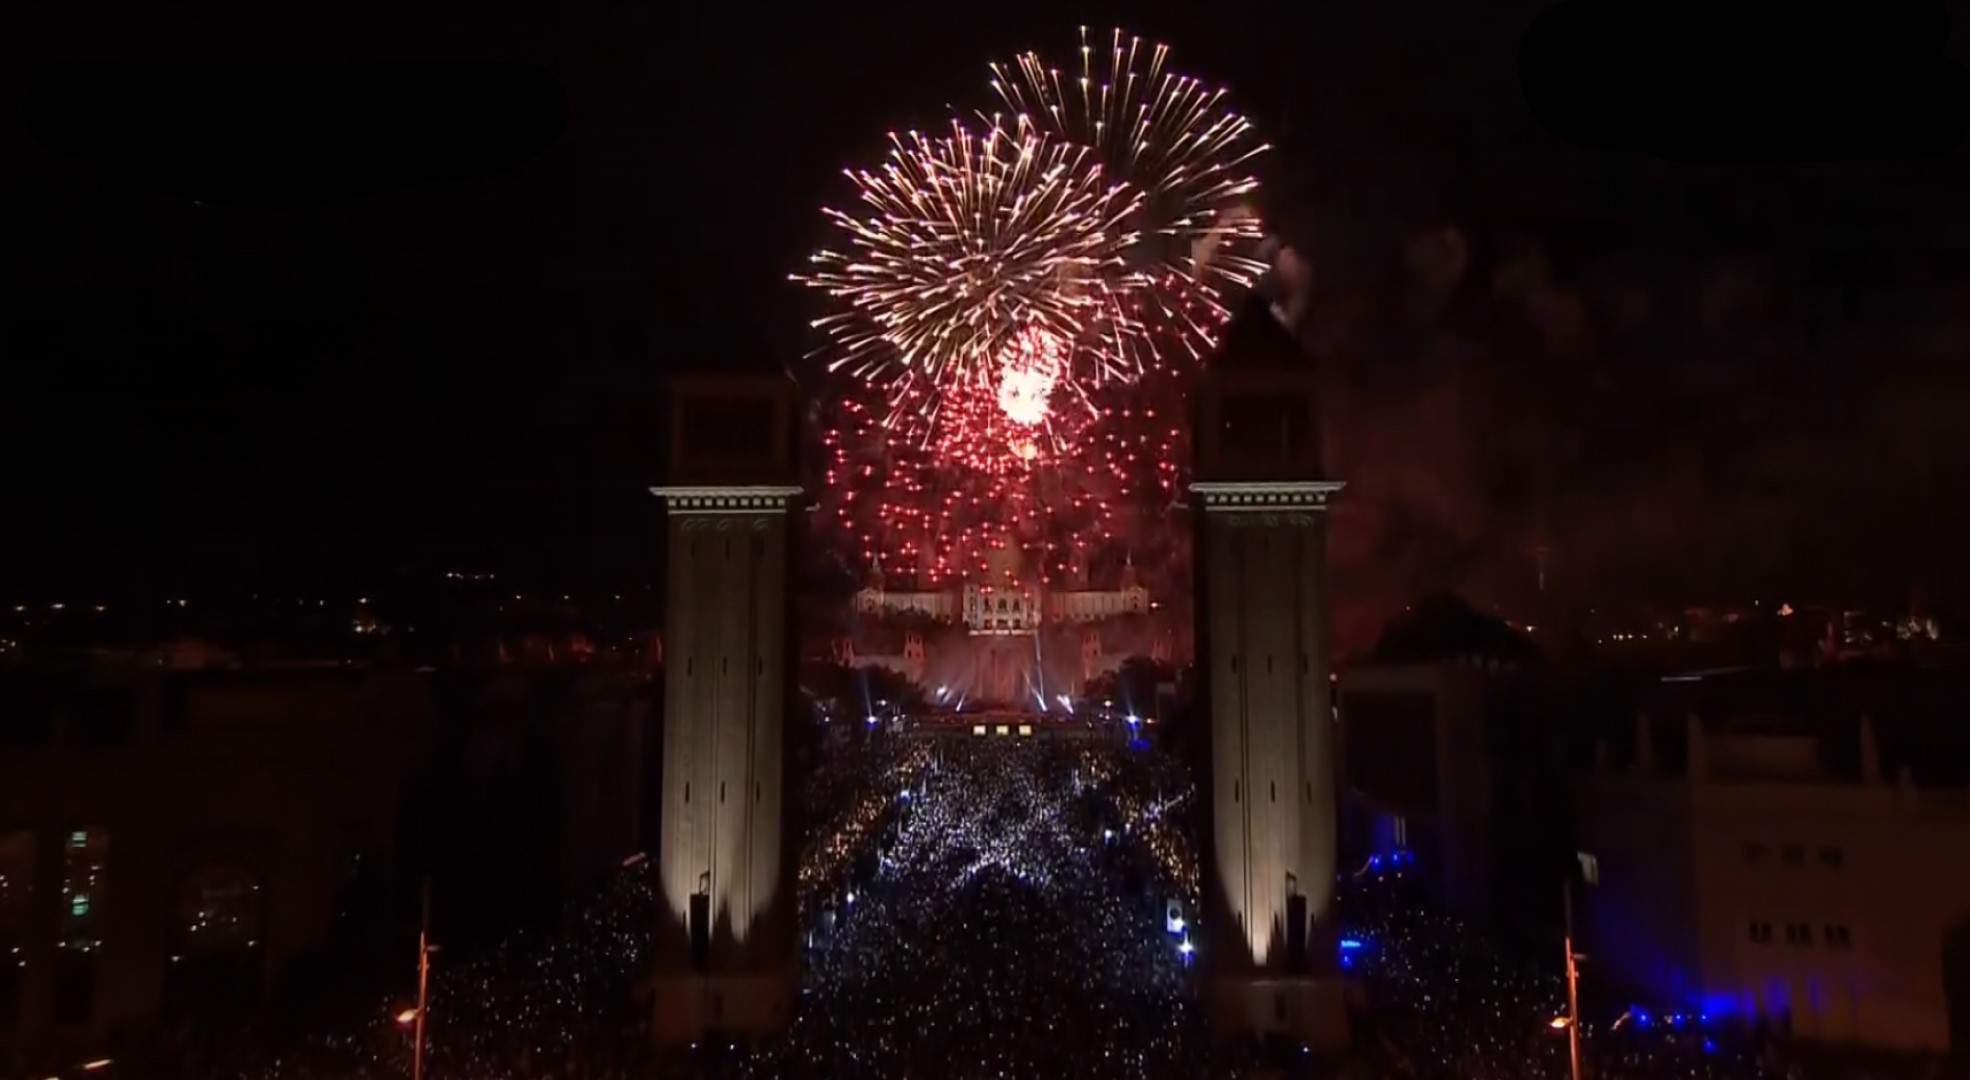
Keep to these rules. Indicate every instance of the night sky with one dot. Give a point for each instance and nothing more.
(1695, 318)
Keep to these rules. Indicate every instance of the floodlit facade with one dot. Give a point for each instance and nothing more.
(1260, 503)
(724, 955)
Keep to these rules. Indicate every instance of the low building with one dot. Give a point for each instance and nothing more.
(1747, 864)
(1094, 605)
(170, 838)
(873, 599)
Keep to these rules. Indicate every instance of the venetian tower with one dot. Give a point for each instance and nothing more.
(1261, 498)
(725, 944)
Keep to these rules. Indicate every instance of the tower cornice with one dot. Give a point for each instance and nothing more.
(1265, 496)
(725, 498)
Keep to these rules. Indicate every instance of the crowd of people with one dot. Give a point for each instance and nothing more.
(1009, 925)
(554, 1002)
(1445, 1000)
(998, 908)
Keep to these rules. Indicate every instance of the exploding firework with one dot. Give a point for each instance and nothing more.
(1105, 212)
(1014, 304)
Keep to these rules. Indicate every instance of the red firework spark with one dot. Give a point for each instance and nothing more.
(935, 516)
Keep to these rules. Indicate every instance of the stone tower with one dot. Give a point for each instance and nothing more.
(725, 952)
(1262, 624)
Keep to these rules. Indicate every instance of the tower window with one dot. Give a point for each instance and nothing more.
(1798, 934)
(1761, 932)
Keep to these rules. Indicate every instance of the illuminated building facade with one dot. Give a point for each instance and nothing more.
(876, 600)
(1095, 605)
(1014, 606)
(724, 956)
(1263, 652)
(1001, 630)
(1003, 609)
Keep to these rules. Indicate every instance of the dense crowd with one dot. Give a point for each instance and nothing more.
(997, 909)
(1009, 926)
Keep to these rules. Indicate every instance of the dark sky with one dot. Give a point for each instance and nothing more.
(275, 325)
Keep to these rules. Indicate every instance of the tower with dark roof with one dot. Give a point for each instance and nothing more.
(1262, 647)
(724, 953)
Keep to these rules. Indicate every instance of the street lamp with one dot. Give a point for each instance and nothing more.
(1571, 1021)
(416, 1017)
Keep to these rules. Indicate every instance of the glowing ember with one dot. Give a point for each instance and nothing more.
(1063, 492)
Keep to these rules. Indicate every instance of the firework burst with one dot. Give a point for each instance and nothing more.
(1105, 210)
(1013, 303)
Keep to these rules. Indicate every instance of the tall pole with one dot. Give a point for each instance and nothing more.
(1572, 981)
(423, 985)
